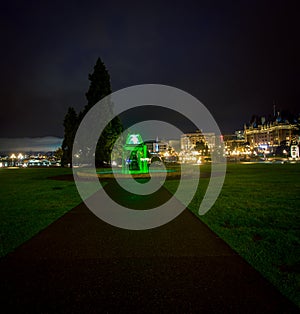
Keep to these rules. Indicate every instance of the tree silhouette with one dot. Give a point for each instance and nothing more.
(99, 88)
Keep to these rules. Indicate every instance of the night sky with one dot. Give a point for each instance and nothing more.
(237, 58)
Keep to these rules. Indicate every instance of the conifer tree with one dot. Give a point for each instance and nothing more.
(99, 88)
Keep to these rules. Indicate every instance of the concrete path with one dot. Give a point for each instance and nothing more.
(80, 264)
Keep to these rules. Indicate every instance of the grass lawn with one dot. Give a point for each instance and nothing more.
(258, 215)
(30, 202)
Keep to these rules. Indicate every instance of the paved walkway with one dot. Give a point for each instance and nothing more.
(80, 264)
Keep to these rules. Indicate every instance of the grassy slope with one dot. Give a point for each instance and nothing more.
(258, 215)
(30, 202)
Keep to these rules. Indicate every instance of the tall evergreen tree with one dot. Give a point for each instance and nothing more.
(70, 125)
(99, 88)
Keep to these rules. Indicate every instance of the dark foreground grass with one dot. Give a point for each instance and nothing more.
(258, 215)
(29, 202)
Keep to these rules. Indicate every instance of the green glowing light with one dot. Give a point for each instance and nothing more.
(134, 139)
(134, 159)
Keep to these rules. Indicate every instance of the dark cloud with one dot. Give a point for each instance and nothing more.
(236, 58)
(37, 144)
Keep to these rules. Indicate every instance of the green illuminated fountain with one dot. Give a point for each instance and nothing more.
(134, 160)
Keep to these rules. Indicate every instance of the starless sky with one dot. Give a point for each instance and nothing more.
(236, 57)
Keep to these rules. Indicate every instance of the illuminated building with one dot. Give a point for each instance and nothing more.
(160, 151)
(269, 135)
(189, 140)
(156, 146)
(235, 146)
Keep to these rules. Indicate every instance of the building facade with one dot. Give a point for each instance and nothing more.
(189, 140)
(269, 135)
(157, 146)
